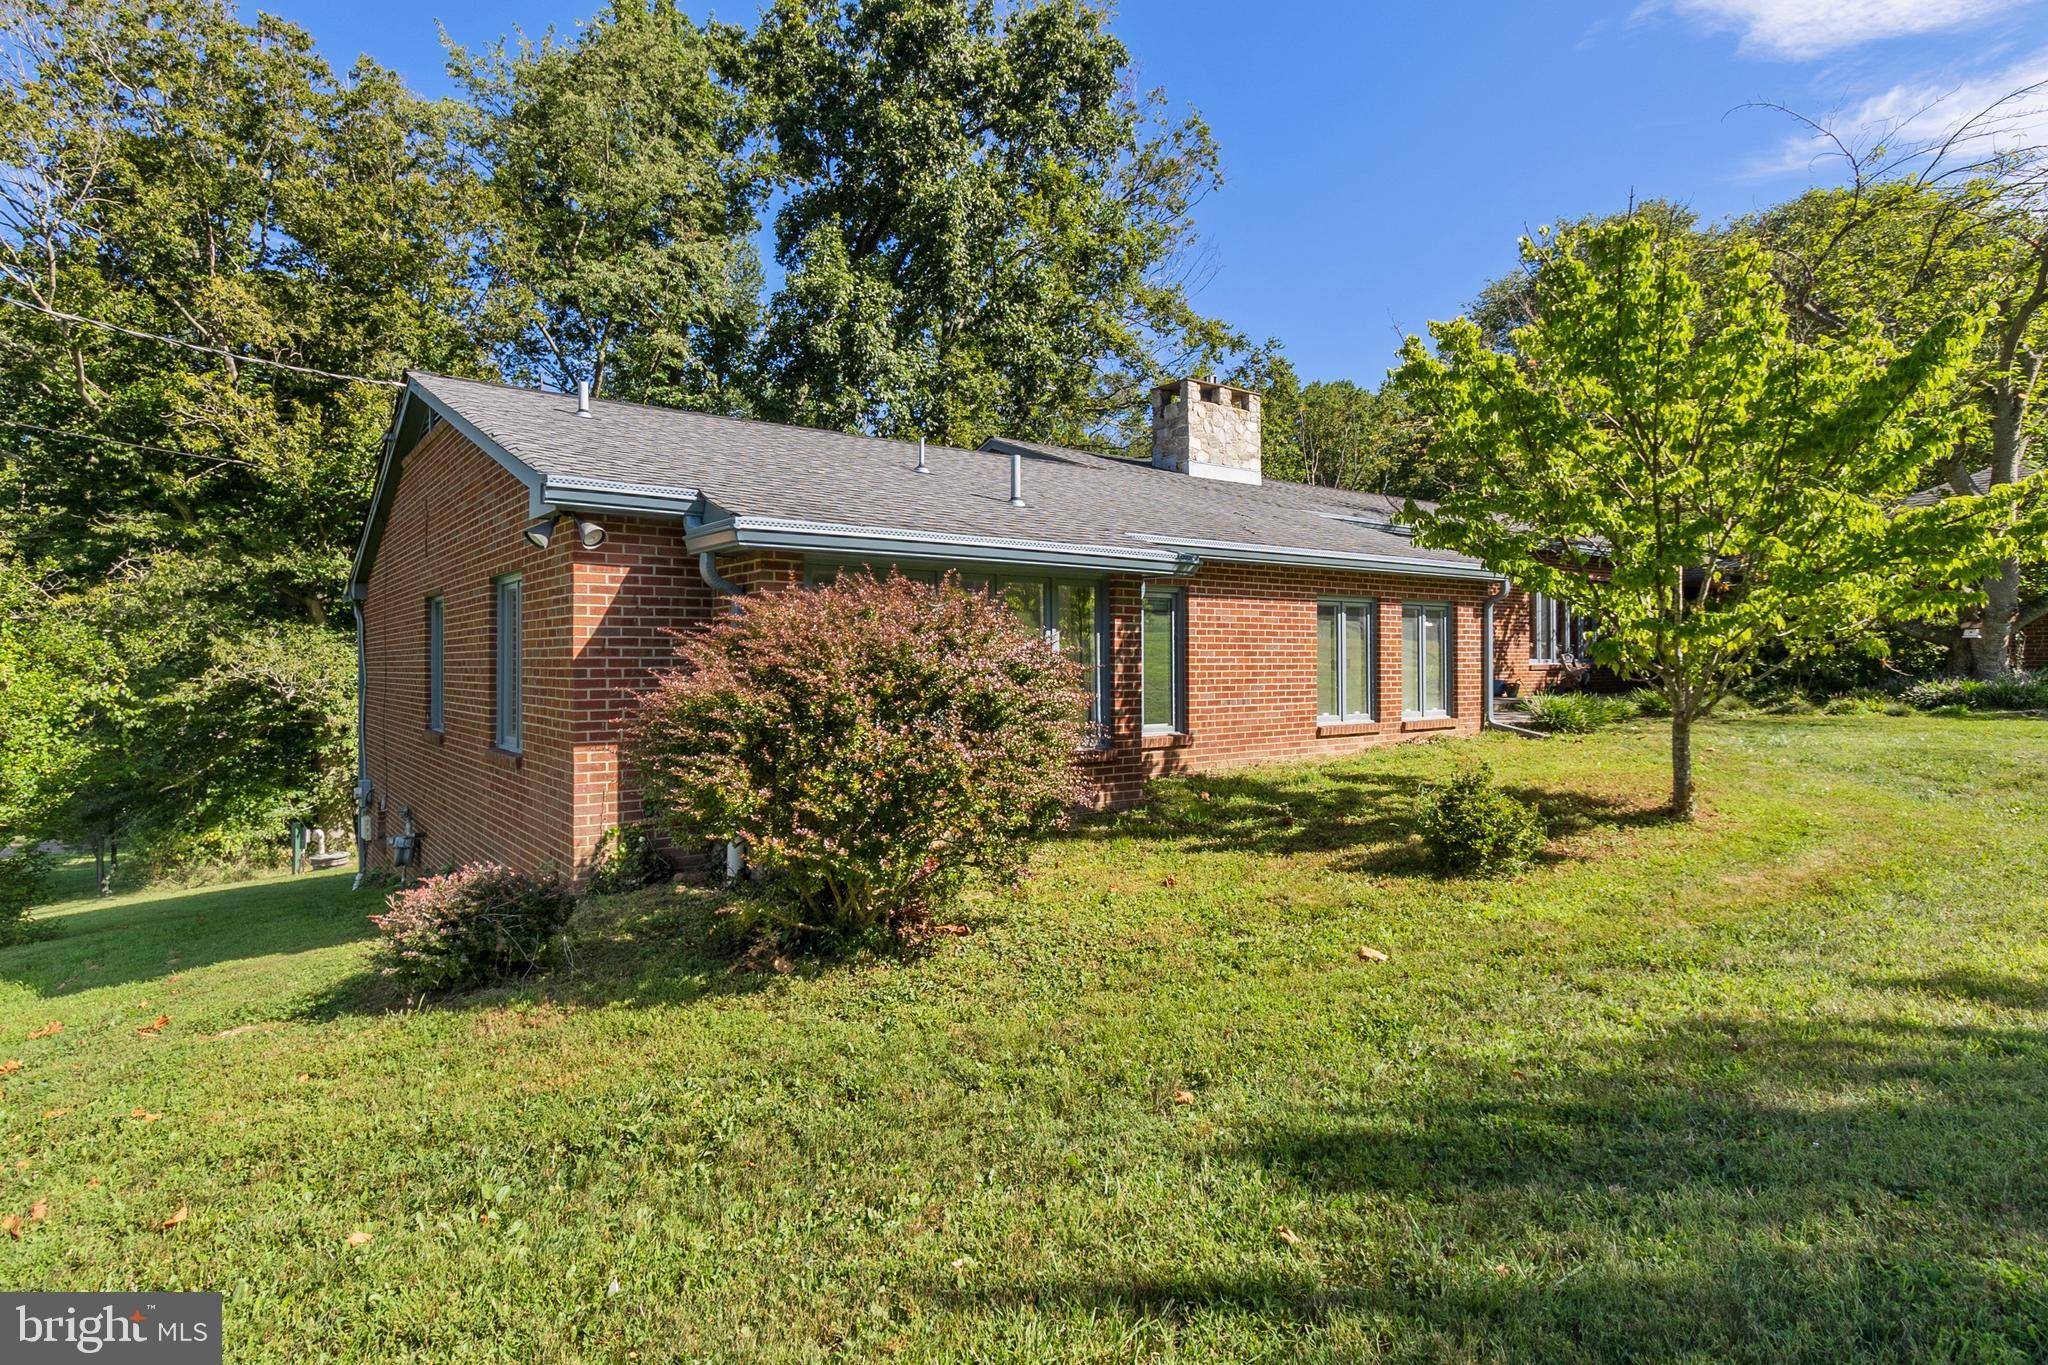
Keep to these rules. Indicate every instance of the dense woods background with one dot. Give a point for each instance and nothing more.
(218, 254)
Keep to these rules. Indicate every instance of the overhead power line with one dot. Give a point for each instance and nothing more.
(197, 346)
(115, 441)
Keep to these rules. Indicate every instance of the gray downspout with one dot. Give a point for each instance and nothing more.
(362, 742)
(707, 569)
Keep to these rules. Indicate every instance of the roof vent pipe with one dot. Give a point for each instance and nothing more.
(583, 398)
(1016, 478)
(922, 467)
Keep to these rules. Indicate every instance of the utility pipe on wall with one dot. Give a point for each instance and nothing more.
(1492, 599)
(362, 743)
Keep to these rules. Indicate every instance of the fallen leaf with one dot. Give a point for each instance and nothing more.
(358, 1237)
(46, 1030)
(157, 1027)
(145, 1116)
(1183, 1097)
(55, 1113)
(1169, 880)
(11, 1225)
(180, 1216)
(1368, 954)
(10, 1066)
(1287, 1235)
(21, 1165)
(37, 1210)
(960, 1263)
(304, 1078)
(94, 1182)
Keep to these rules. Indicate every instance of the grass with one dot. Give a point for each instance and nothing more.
(1773, 1087)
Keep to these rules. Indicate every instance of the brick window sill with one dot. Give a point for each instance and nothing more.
(1173, 741)
(504, 758)
(1336, 728)
(1430, 723)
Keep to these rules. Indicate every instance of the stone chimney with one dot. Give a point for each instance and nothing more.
(1207, 429)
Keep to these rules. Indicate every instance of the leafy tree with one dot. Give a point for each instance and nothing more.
(981, 227)
(173, 171)
(1674, 461)
(616, 249)
(1910, 241)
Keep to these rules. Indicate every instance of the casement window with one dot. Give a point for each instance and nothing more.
(1344, 660)
(1557, 634)
(1163, 643)
(437, 636)
(1072, 614)
(510, 663)
(1425, 660)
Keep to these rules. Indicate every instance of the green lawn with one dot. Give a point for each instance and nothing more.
(1774, 1087)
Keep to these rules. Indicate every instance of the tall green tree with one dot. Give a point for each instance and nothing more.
(1673, 460)
(211, 188)
(981, 228)
(617, 249)
(1905, 244)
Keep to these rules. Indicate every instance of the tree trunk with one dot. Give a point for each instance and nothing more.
(1991, 654)
(1681, 767)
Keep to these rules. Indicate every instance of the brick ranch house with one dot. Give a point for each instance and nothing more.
(527, 555)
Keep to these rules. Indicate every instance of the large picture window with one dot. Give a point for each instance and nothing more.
(1344, 660)
(1425, 660)
(437, 635)
(509, 632)
(1072, 614)
(1164, 649)
(1557, 634)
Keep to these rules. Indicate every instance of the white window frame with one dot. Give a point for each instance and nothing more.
(437, 663)
(1366, 610)
(508, 663)
(1448, 682)
(1177, 665)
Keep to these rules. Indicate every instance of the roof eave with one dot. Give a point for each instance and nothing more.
(1236, 552)
(775, 533)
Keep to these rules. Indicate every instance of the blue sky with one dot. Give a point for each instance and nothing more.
(1383, 158)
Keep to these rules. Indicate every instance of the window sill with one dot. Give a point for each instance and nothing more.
(1429, 722)
(1174, 740)
(1332, 729)
(503, 757)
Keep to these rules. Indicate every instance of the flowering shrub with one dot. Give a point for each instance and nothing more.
(1472, 826)
(875, 744)
(478, 924)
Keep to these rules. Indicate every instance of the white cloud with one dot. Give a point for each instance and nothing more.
(1800, 29)
(1913, 116)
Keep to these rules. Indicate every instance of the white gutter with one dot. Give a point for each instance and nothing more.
(1239, 552)
(746, 532)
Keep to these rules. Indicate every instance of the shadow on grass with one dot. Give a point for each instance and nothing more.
(1366, 819)
(147, 939)
(1974, 985)
(1807, 1190)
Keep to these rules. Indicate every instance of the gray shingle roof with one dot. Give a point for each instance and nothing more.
(1980, 479)
(764, 469)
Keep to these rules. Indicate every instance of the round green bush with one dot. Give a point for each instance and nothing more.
(1472, 827)
(24, 877)
(874, 745)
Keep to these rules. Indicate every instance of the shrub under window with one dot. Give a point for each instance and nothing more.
(875, 744)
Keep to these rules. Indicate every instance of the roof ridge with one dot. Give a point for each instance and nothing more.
(670, 410)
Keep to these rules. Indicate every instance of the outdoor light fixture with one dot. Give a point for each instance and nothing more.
(540, 534)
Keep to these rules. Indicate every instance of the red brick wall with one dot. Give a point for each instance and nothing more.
(1512, 642)
(1252, 672)
(598, 624)
(454, 525)
(2034, 645)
